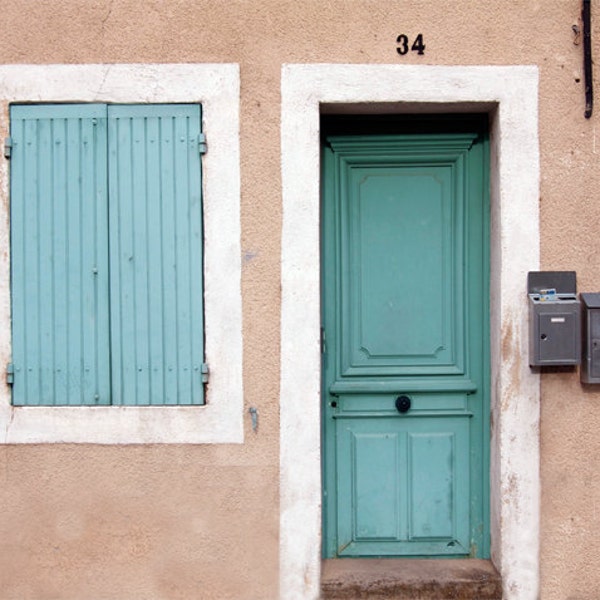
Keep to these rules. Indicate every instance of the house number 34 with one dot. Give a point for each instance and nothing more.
(404, 44)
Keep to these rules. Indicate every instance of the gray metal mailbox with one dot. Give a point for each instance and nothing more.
(590, 329)
(554, 318)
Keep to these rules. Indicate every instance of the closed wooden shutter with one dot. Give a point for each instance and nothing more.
(59, 246)
(155, 254)
(107, 267)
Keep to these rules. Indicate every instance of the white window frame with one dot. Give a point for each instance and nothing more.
(217, 88)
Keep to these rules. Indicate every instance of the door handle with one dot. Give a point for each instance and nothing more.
(403, 404)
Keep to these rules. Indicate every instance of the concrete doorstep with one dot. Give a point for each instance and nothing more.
(417, 579)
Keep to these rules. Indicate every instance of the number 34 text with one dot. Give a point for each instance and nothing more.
(404, 44)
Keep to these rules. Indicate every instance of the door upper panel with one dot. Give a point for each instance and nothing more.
(402, 221)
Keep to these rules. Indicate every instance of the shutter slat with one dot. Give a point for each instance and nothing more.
(154, 257)
(168, 263)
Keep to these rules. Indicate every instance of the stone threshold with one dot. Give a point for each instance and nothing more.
(414, 579)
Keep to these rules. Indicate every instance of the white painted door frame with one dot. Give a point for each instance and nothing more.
(510, 96)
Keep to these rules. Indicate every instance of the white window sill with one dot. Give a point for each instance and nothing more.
(119, 425)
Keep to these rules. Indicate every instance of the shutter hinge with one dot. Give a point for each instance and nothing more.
(202, 145)
(10, 373)
(204, 370)
(323, 341)
(8, 144)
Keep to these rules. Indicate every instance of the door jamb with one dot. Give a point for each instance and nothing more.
(510, 96)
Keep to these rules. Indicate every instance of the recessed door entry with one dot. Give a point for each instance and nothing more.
(405, 339)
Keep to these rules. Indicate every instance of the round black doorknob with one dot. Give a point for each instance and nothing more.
(403, 404)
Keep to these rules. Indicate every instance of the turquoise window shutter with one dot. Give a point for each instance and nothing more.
(107, 266)
(156, 262)
(59, 247)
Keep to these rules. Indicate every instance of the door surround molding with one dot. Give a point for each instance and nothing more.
(510, 96)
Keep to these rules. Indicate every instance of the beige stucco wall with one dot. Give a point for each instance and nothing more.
(202, 521)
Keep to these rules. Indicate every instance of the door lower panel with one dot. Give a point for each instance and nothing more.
(404, 488)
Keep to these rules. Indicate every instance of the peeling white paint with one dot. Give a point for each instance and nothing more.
(510, 95)
(217, 88)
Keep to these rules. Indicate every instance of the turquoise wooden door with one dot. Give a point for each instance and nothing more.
(405, 315)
